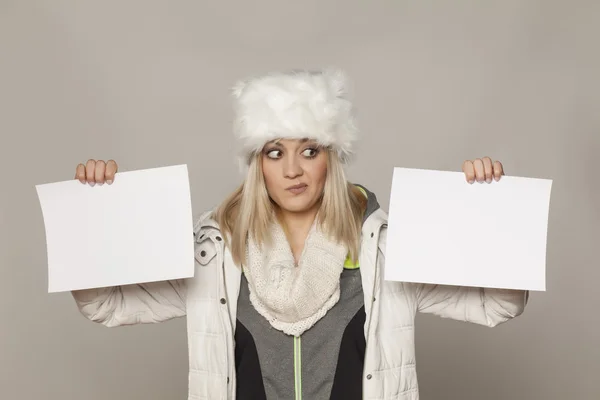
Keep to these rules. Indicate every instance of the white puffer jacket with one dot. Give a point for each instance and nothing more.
(210, 299)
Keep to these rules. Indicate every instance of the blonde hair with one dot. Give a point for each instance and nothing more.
(250, 211)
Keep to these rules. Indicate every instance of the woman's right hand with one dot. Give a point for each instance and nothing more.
(96, 172)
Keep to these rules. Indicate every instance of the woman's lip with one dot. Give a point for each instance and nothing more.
(296, 187)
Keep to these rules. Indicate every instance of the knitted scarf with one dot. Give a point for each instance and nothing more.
(294, 297)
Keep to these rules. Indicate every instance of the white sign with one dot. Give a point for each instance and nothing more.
(137, 230)
(443, 230)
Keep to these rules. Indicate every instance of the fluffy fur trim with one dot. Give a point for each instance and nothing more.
(294, 105)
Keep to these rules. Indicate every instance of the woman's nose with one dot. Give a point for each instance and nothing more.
(292, 167)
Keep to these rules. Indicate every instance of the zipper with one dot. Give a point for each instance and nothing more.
(229, 329)
(298, 368)
(371, 305)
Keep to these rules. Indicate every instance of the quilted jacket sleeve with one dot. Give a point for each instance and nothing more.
(133, 304)
(136, 304)
(483, 306)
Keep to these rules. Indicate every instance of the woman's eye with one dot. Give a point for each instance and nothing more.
(274, 154)
(310, 153)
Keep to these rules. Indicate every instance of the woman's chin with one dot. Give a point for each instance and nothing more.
(297, 205)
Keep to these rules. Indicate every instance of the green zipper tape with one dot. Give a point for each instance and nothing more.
(298, 367)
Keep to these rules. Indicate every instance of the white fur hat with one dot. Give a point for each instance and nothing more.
(294, 105)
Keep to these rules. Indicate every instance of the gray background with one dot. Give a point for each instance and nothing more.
(147, 83)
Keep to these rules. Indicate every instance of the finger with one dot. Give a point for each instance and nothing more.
(90, 166)
(498, 170)
(111, 170)
(80, 173)
(488, 169)
(479, 171)
(99, 172)
(469, 171)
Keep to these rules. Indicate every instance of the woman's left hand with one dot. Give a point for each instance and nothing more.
(482, 170)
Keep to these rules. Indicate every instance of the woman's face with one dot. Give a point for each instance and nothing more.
(295, 172)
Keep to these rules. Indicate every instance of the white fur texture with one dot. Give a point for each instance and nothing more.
(294, 105)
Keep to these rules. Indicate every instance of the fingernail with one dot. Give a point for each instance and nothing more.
(109, 182)
(489, 180)
(92, 183)
(100, 183)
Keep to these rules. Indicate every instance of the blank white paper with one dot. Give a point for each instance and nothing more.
(137, 230)
(443, 230)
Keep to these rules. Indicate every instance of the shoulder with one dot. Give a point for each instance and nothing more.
(205, 221)
(382, 242)
(375, 226)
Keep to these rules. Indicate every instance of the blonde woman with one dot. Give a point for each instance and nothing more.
(288, 299)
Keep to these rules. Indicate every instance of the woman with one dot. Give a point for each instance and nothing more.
(288, 299)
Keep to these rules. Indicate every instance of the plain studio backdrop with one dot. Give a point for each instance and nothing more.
(147, 84)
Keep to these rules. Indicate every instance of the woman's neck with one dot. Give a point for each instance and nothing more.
(297, 226)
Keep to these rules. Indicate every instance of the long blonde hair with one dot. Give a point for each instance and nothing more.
(250, 210)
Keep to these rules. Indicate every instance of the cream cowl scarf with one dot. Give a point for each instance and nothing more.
(294, 297)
